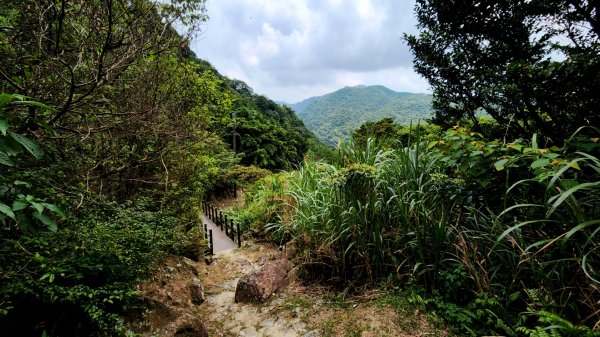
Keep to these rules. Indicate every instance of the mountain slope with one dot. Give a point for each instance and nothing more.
(268, 134)
(335, 115)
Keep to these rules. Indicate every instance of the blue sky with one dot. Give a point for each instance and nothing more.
(290, 50)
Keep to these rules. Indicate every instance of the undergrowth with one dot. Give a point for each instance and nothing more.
(496, 238)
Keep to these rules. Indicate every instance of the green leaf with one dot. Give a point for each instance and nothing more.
(5, 160)
(500, 164)
(551, 155)
(28, 144)
(3, 125)
(5, 99)
(18, 206)
(55, 209)
(7, 210)
(38, 207)
(46, 221)
(34, 103)
(560, 198)
(540, 163)
(48, 276)
(517, 147)
(9, 146)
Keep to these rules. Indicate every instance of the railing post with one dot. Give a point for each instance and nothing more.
(239, 234)
(220, 220)
(226, 226)
(210, 241)
(205, 232)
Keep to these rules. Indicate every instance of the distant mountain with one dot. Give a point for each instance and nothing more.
(335, 115)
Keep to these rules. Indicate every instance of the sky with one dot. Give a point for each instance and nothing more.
(289, 50)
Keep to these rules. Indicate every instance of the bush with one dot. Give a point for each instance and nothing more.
(487, 230)
(87, 271)
(266, 205)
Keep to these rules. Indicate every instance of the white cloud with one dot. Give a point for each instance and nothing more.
(293, 49)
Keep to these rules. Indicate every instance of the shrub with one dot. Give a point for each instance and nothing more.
(87, 271)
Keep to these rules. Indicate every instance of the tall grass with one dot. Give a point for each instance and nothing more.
(560, 237)
(374, 213)
(371, 213)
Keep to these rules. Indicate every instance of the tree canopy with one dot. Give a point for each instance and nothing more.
(534, 66)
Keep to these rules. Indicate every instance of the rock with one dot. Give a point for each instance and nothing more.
(267, 323)
(196, 293)
(258, 285)
(296, 312)
(162, 310)
(169, 295)
(208, 260)
(311, 334)
(291, 250)
(169, 270)
(190, 264)
(292, 276)
(191, 328)
(248, 332)
(261, 260)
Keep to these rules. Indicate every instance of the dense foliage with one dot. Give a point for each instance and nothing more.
(483, 231)
(333, 116)
(266, 134)
(111, 134)
(534, 66)
(390, 135)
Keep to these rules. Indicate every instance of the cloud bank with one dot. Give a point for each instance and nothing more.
(289, 50)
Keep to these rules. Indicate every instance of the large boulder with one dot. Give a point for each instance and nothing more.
(258, 285)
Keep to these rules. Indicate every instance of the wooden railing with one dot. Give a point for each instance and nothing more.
(231, 228)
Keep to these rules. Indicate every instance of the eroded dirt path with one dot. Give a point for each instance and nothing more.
(200, 297)
(297, 310)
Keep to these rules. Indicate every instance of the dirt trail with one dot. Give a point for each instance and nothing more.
(297, 310)
(226, 318)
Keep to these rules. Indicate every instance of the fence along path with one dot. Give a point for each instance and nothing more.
(221, 232)
(220, 240)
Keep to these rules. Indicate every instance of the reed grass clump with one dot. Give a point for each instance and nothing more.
(492, 235)
(370, 213)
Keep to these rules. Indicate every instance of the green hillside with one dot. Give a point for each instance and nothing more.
(335, 115)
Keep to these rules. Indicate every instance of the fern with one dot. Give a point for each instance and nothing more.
(552, 325)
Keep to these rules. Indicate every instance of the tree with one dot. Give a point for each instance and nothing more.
(64, 53)
(534, 66)
(385, 131)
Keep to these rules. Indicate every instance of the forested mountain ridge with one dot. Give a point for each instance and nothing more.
(335, 115)
(267, 134)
